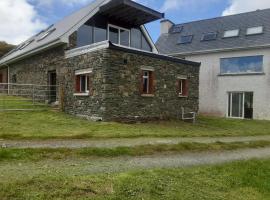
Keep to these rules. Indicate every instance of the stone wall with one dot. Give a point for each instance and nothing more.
(123, 98)
(116, 82)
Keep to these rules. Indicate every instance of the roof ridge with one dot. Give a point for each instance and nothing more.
(220, 17)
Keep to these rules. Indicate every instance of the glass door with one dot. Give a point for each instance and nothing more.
(240, 105)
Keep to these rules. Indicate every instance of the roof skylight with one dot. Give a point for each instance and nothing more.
(231, 33)
(176, 29)
(255, 30)
(185, 39)
(25, 44)
(46, 34)
(209, 36)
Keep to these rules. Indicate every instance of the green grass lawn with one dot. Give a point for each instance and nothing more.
(247, 180)
(51, 124)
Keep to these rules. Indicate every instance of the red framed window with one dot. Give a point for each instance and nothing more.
(147, 82)
(83, 83)
(182, 87)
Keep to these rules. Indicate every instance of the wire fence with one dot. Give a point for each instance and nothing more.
(27, 97)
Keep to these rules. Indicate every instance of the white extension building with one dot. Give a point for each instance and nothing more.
(235, 55)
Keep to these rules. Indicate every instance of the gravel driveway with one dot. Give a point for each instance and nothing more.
(119, 164)
(111, 143)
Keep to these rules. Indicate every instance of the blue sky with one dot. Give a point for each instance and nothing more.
(20, 19)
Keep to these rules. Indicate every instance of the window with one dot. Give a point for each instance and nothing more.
(255, 30)
(209, 37)
(176, 29)
(185, 39)
(46, 34)
(240, 105)
(26, 44)
(231, 33)
(118, 35)
(85, 35)
(241, 65)
(1, 78)
(83, 81)
(147, 83)
(138, 40)
(182, 87)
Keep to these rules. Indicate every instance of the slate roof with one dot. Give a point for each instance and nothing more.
(167, 43)
(65, 27)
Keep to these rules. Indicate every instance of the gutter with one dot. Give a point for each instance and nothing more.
(218, 50)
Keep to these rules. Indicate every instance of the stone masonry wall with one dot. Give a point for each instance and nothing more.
(116, 82)
(123, 98)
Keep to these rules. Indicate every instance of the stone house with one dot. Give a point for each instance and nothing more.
(234, 52)
(106, 65)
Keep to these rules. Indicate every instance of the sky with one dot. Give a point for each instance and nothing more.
(21, 19)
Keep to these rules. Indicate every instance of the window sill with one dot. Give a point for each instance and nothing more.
(81, 94)
(147, 95)
(182, 96)
(243, 74)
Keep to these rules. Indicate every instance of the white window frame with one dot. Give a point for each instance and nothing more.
(119, 34)
(231, 35)
(148, 80)
(256, 30)
(243, 104)
(86, 73)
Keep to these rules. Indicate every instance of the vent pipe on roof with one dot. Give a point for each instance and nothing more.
(166, 25)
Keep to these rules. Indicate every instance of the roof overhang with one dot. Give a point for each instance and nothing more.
(130, 12)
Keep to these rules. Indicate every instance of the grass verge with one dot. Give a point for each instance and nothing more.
(53, 125)
(246, 180)
(62, 153)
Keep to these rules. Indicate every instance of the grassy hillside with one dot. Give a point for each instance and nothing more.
(5, 47)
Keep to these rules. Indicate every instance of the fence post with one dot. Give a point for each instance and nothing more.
(33, 94)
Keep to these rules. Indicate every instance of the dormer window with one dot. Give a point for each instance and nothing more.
(119, 35)
(231, 33)
(255, 30)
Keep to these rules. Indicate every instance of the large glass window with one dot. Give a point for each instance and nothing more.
(241, 65)
(118, 35)
(114, 35)
(136, 38)
(139, 41)
(100, 34)
(85, 35)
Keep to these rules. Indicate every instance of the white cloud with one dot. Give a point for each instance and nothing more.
(240, 6)
(49, 3)
(18, 21)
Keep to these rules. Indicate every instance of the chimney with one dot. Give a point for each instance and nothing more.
(166, 25)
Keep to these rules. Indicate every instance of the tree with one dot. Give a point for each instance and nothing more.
(5, 48)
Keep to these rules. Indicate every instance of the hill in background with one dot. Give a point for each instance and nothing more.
(5, 48)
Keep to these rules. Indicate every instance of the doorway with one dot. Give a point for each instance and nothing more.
(52, 86)
(240, 105)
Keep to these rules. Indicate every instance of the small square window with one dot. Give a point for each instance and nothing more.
(255, 30)
(231, 33)
(83, 83)
(185, 39)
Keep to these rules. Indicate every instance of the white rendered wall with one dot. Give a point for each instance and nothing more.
(214, 88)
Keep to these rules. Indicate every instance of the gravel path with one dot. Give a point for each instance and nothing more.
(111, 143)
(120, 164)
